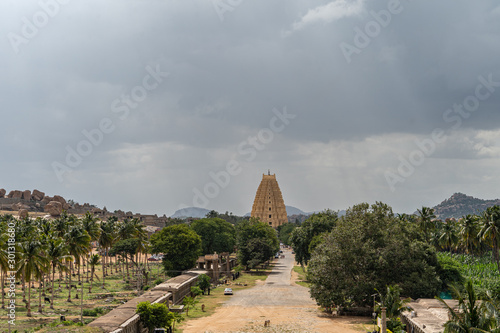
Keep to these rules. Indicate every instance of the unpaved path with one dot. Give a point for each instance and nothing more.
(288, 307)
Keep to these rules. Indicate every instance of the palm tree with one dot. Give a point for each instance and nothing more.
(106, 239)
(425, 220)
(490, 231)
(33, 263)
(57, 253)
(449, 238)
(472, 315)
(80, 244)
(469, 230)
(94, 260)
(89, 224)
(126, 230)
(394, 305)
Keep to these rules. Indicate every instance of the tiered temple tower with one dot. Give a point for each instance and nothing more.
(268, 205)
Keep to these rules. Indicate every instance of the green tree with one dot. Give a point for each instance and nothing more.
(449, 235)
(368, 249)
(33, 264)
(472, 316)
(490, 231)
(57, 254)
(154, 315)
(128, 248)
(468, 234)
(284, 232)
(302, 236)
(204, 283)
(253, 232)
(180, 246)
(395, 306)
(189, 302)
(216, 235)
(94, 260)
(426, 221)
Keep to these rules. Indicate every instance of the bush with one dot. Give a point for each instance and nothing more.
(449, 271)
(93, 312)
(158, 281)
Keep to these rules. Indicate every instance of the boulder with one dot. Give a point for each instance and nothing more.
(23, 213)
(63, 202)
(54, 208)
(15, 194)
(27, 195)
(19, 206)
(46, 199)
(2, 192)
(37, 195)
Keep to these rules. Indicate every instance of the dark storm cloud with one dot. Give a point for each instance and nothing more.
(227, 70)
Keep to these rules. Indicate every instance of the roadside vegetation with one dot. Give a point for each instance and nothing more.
(370, 249)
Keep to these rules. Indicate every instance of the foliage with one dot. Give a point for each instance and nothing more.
(203, 282)
(196, 291)
(301, 237)
(216, 235)
(180, 246)
(93, 312)
(257, 242)
(189, 302)
(154, 315)
(394, 305)
(449, 271)
(481, 271)
(369, 249)
(473, 316)
(284, 232)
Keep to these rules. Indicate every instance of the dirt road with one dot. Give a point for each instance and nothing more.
(288, 307)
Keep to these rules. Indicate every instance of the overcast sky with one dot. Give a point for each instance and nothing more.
(156, 105)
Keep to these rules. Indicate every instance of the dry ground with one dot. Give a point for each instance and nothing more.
(287, 305)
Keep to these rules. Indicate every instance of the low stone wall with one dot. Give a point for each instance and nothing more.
(123, 319)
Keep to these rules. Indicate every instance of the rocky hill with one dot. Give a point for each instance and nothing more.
(459, 205)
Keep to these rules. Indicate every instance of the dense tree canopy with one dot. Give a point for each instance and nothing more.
(284, 232)
(216, 235)
(369, 249)
(180, 246)
(256, 241)
(301, 237)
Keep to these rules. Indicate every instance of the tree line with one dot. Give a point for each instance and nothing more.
(371, 249)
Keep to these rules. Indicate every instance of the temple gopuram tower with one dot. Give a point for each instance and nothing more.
(268, 205)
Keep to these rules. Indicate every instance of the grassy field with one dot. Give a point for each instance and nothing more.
(116, 292)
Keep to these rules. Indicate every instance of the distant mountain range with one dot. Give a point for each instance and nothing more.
(198, 212)
(459, 205)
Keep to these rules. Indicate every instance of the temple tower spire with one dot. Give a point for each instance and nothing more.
(268, 205)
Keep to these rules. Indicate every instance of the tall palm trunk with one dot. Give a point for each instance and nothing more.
(29, 300)
(53, 277)
(2, 282)
(69, 290)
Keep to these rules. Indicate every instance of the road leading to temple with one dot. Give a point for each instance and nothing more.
(288, 307)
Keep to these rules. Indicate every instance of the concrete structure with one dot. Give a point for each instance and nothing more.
(428, 315)
(215, 265)
(268, 205)
(124, 320)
